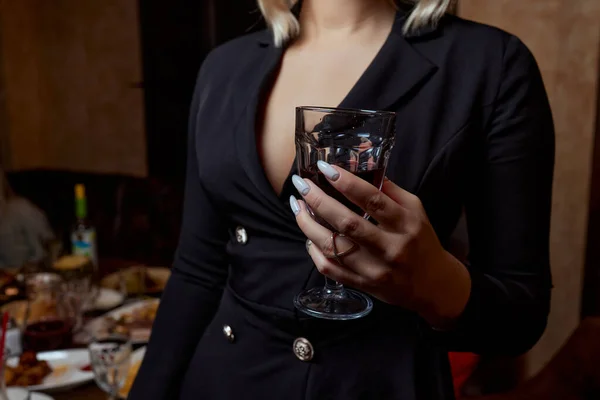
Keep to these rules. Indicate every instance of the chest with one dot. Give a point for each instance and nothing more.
(304, 77)
(435, 154)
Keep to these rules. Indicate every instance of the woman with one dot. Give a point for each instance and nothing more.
(474, 132)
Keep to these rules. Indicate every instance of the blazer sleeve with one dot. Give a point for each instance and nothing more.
(508, 217)
(194, 290)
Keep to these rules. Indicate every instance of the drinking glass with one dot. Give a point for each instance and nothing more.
(360, 142)
(50, 315)
(77, 273)
(110, 358)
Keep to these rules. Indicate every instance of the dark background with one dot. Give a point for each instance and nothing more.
(176, 37)
(138, 219)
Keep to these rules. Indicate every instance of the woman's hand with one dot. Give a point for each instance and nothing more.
(400, 261)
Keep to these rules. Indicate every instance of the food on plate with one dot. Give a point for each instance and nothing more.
(29, 372)
(71, 262)
(138, 280)
(139, 318)
(131, 374)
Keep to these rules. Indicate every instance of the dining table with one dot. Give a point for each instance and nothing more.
(89, 391)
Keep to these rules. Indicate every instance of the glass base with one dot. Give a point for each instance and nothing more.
(336, 304)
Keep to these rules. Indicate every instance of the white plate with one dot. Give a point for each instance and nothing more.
(138, 355)
(107, 299)
(98, 326)
(16, 393)
(40, 396)
(21, 394)
(66, 365)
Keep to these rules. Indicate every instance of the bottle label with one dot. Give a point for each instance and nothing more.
(84, 244)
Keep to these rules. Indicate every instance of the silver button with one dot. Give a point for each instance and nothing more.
(240, 235)
(303, 349)
(228, 332)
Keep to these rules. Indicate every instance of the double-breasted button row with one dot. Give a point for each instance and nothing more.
(301, 347)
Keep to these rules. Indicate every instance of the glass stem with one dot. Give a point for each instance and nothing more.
(113, 394)
(114, 390)
(333, 287)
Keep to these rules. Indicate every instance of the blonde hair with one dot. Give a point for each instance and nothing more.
(285, 25)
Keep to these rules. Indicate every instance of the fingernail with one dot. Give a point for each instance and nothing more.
(327, 170)
(308, 244)
(300, 185)
(294, 205)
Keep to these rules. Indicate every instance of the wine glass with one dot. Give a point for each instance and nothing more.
(360, 142)
(110, 359)
(50, 316)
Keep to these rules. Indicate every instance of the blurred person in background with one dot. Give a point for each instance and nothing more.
(474, 133)
(24, 229)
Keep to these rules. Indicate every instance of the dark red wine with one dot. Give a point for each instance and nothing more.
(373, 176)
(51, 334)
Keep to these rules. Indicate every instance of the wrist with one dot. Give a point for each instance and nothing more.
(447, 292)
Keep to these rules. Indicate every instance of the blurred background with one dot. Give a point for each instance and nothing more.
(97, 93)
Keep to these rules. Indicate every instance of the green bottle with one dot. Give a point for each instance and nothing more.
(83, 236)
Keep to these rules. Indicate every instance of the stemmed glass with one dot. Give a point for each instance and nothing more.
(360, 142)
(110, 358)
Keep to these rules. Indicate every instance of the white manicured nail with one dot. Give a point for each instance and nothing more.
(327, 170)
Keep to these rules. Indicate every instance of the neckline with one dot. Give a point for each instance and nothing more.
(350, 101)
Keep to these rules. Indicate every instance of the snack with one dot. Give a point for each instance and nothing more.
(137, 280)
(131, 374)
(71, 262)
(140, 318)
(29, 372)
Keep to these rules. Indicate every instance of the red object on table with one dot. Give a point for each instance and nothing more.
(463, 365)
(3, 335)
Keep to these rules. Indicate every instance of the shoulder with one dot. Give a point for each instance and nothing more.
(476, 58)
(20, 207)
(485, 44)
(227, 57)
(479, 36)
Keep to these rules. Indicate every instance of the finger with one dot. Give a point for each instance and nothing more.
(342, 219)
(362, 261)
(332, 269)
(369, 198)
(316, 232)
(402, 197)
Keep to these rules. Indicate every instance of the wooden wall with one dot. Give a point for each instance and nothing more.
(67, 73)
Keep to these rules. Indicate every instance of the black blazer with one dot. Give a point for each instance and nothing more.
(474, 134)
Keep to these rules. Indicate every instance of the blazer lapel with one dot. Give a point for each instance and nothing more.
(397, 70)
(255, 80)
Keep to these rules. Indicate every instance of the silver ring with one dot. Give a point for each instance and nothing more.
(336, 255)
